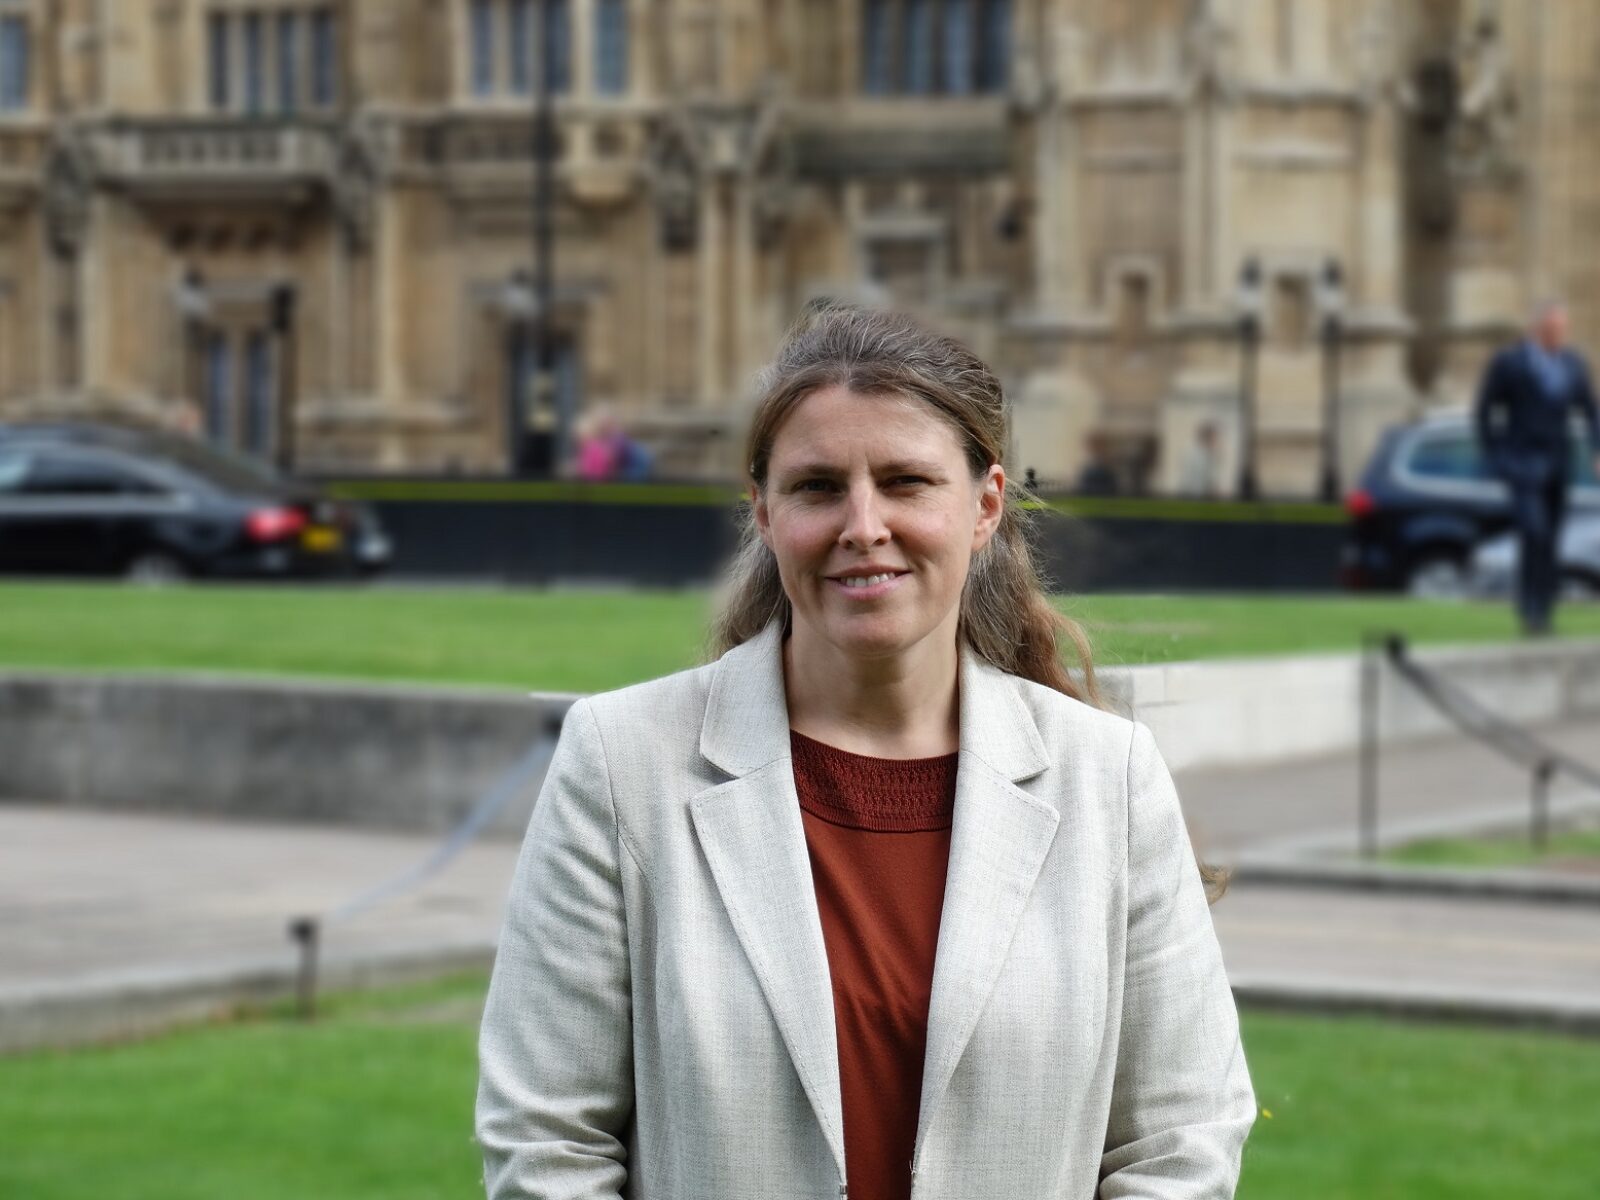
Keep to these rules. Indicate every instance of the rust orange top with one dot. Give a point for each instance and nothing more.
(878, 833)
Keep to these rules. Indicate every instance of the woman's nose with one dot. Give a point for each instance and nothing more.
(863, 523)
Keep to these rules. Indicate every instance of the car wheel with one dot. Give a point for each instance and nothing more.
(1439, 577)
(155, 569)
(1581, 588)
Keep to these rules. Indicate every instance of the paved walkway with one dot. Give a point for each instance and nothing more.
(1448, 782)
(105, 910)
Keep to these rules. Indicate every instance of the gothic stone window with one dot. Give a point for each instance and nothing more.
(935, 47)
(15, 55)
(272, 58)
(509, 42)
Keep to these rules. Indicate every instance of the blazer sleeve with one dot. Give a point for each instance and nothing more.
(1586, 402)
(1490, 397)
(555, 1083)
(1181, 1103)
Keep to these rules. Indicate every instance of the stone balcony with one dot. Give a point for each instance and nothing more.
(893, 138)
(215, 156)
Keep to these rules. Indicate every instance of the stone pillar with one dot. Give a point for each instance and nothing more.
(583, 48)
(711, 308)
(388, 341)
(1197, 175)
(1380, 250)
(1058, 273)
(744, 311)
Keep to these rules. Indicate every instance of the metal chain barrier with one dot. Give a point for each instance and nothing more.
(306, 931)
(1542, 760)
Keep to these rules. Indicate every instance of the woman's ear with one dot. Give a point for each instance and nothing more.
(991, 505)
(758, 508)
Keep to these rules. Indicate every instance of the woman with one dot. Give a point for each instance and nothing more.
(877, 904)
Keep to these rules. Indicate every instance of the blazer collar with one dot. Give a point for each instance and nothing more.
(754, 841)
(747, 714)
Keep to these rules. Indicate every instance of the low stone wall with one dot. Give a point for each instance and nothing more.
(1247, 711)
(418, 758)
(391, 757)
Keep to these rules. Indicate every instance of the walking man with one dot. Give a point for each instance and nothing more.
(1524, 416)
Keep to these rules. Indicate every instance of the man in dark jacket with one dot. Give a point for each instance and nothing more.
(1529, 395)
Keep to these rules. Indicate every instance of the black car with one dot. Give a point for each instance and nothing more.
(83, 499)
(1425, 501)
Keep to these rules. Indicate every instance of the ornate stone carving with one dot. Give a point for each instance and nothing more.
(1208, 65)
(69, 179)
(355, 184)
(674, 171)
(1487, 109)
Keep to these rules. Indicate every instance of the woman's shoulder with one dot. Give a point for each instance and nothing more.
(677, 692)
(1065, 720)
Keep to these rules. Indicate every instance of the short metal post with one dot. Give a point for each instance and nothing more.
(305, 931)
(1368, 817)
(1539, 816)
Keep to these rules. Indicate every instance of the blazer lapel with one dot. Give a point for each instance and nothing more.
(998, 843)
(753, 837)
(754, 840)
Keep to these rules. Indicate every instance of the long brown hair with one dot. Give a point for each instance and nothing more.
(1006, 616)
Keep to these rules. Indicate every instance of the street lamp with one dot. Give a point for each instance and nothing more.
(526, 421)
(193, 303)
(1248, 302)
(1330, 303)
(545, 395)
(283, 306)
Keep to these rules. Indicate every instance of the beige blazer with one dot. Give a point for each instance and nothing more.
(660, 1021)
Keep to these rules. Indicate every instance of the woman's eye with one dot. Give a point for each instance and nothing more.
(899, 479)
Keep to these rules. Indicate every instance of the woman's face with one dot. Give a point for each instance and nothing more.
(873, 515)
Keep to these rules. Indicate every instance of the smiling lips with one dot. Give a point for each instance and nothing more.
(867, 584)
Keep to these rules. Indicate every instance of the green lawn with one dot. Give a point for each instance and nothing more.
(591, 640)
(374, 1103)
(1497, 852)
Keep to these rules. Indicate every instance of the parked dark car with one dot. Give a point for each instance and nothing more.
(1495, 562)
(82, 499)
(1426, 500)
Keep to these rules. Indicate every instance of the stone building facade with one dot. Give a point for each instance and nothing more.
(306, 226)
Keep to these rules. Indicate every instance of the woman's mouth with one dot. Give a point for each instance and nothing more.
(867, 587)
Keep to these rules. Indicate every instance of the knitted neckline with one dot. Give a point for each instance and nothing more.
(885, 795)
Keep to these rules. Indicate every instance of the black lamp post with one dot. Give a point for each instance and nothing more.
(544, 394)
(1249, 308)
(283, 304)
(194, 306)
(1330, 301)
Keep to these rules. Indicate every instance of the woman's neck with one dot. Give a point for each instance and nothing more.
(901, 706)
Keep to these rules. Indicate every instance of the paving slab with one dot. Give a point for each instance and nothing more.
(112, 925)
(1435, 786)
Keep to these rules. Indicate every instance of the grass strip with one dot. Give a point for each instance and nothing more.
(591, 640)
(374, 1102)
(1575, 847)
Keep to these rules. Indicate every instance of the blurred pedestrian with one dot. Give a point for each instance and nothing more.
(1201, 463)
(1097, 477)
(598, 446)
(881, 894)
(1528, 397)
(634, 460)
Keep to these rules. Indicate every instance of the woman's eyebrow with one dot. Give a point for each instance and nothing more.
(898, 467)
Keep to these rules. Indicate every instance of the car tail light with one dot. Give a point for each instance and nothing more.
(274, 524)
(1360, 504)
